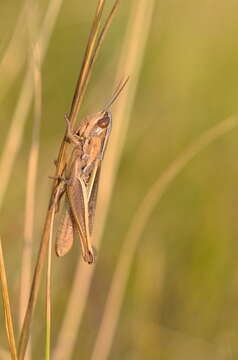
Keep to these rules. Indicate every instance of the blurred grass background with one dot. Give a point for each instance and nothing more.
(181, 301)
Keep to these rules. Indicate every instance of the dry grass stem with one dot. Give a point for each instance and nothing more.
(87, 64)
(15, 133)
(16, 130)
(48, 292)
(26, 270)
(7, 307)
(27, 251)
(95, 40)
(138, 224)
(81, 83)
(24, 337)
(77, 99)
(129, 64)
(105, 29)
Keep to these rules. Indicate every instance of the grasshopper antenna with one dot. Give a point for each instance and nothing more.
(116, 93)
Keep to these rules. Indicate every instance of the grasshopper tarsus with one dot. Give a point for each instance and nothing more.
(89, 257)
(63, 179)
(56, 178)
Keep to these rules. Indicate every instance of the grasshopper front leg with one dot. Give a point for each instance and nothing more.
(71, 135)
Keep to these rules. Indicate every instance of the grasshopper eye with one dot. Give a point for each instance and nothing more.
(103, 122)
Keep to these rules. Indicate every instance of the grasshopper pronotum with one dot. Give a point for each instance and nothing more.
(81, 179)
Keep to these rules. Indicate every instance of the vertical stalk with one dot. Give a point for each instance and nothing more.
(7, 307)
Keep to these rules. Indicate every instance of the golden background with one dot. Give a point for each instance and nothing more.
(181, 298)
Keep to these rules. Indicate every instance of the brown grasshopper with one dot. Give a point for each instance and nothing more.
(81, 179)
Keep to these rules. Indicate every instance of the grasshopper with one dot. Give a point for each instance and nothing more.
(81, 179)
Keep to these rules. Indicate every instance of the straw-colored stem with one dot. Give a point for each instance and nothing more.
(7, 307)
(48, 292)
(48, 304)
(77, 99)
(118, 285)
(35, 286)
(14, 137)
(81, 85)
(86, 66)
(129, 64)
(105, 29)
(26, 270)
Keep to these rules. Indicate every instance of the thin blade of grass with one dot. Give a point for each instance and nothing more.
(15, 137)
(24, 337)
(104, 30)
(26, 269)
(129, 64)
(7, 307)
(27, 251)
(121, 275)
(77, 100)
(48, 292)
(82, 81)
(48, 304)
(87, 64)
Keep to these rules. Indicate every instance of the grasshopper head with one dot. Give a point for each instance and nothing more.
(97, 124)
(105, 120)
(102, 123)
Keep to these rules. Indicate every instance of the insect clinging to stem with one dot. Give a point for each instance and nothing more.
(81, 179)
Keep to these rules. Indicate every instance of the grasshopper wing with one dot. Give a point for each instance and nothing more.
(65, 234)
(77, 196)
